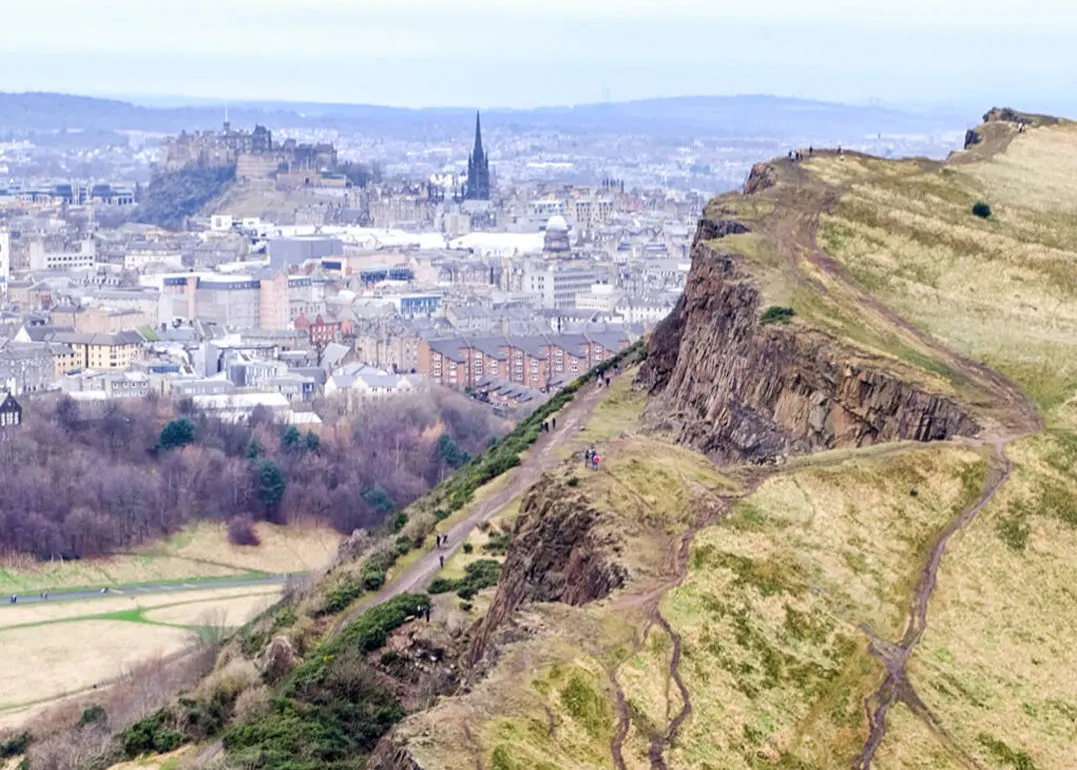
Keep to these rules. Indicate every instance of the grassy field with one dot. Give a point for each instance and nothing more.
(67, 647)
(997, 664)
(200, 551)
(1001, 290)
(772, 609)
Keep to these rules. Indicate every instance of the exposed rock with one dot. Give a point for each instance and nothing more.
(761, 177)
(559, 553)
(972, 137)
(720, 228)
(739, 390)
(390, 756)
(280, 658)
(1008, 115)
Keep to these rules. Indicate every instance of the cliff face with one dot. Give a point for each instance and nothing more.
(740, 390)
(560, 552)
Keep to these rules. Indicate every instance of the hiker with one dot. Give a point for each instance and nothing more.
(586, 457)
(14, 598)
(839, 149)
(437, 541)
(607, 382)
(441, 559)
(553, 424)
(594, 462)
(426, 612)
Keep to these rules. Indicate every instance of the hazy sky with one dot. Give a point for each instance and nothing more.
(520, 53)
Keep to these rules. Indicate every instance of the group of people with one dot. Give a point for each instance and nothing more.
(548, 425)
(440, 541)
(590, 459)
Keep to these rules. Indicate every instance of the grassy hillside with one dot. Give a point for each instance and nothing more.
(905, 605)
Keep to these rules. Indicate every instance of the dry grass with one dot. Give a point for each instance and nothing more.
(772, 608)
(116, 601)
(52, 660)
(67, 647)
(200, 551)
(1003, 290)
(229, 613)
(997, 663)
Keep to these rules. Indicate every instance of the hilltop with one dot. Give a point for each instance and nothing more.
(834, 522)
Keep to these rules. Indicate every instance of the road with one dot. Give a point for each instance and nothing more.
(142, 590)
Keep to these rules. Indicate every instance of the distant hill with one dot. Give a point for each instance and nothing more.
(712, 116)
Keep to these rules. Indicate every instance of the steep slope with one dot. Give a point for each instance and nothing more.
(828, 529)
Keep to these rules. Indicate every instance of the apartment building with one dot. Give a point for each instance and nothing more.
(46, 257)
(539, 362)
(100, 351)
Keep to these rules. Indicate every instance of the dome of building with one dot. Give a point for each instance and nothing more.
(557, 223)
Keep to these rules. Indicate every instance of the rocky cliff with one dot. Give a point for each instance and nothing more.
(561, 552)
(737, 389)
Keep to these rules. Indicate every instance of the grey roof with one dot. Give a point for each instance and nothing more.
(117, 338)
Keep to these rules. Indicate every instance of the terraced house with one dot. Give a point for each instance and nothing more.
(540, 362)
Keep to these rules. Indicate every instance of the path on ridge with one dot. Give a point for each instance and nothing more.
(541, 457)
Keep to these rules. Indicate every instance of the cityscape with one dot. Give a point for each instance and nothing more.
(248, 266)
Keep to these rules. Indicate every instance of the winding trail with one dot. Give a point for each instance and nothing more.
(541, 457)
(1016, 417)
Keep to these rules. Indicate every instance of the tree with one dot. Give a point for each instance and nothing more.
(241, 530)
(176, 434)
(450, 453)
(254, 448)
(313, 442)
(290, 438)
(271, 485)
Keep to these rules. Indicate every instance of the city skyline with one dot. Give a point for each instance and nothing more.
(472, 52)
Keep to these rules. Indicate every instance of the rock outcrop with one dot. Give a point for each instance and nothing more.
(1008, 115)
(760, 178)
(740, 390)
(972, 137)
(560, 552)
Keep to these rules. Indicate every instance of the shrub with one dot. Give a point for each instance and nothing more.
(981, 209)
(468, 547)
(373, 578)
(399, 521)
(241, 530)
(92, 715)
(403, 545)
(573, 481)
(15, 745)
(441, 514)
(498, 544)
(178, 433)
(777, 314)
(466, 606)
(153, 734)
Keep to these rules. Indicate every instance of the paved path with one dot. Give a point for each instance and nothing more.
(157, 588)
(541, 457)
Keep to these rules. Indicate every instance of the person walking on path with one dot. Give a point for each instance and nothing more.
(553, 424)
(594, 462)
(441, 560)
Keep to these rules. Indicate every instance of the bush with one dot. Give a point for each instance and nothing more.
(152, 735)
(15, 745)
(177, 434)
(498, 544)
(241, 530)
(466, 606)
(777, 314)
(399, 521)
(403, 545)
(981, 209)
(573, 481)
(479, 574)
(468, 547)
(373, 578)
(92, 715)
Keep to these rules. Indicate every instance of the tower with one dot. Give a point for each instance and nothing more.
(478, 169)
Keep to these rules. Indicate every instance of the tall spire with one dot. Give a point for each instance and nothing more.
(478, 168)
(478, 137)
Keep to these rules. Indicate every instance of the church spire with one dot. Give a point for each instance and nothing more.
(478, 168)
(477, 152)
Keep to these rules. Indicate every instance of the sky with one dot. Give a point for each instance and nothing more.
(526, 53)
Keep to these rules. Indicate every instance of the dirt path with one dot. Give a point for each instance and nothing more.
(796, 231)
(896, 686)
(540, 458)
